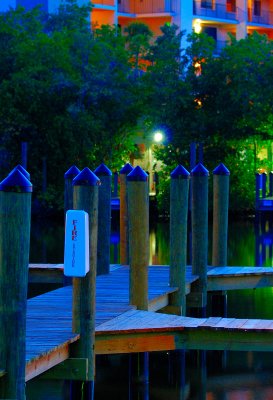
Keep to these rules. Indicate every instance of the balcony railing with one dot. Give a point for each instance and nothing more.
(104, 2)
(213, 10)
(145, 6)
(265, 17)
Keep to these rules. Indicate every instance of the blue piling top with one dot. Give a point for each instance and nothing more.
(126, 169)
(180, 173)
(137, 174)
(22, 170)
(103, 170)
(72, 172)
(86, 178)
(221, 169)
(16, 182)
(199, 170)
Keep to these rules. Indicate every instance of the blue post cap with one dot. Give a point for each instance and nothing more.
(221, 169)
(126, 169)
(86, 178)
(180, 173)
(103, 170)
(137, 174)
(72, 172)
(16, 182)
(22, 170)
(199, 170)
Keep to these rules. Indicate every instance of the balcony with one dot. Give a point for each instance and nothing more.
(260, 17)
(145, 6)
(103, 2)
(214, 10)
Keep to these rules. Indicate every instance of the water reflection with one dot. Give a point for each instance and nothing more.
(249, 243)
(191, 375)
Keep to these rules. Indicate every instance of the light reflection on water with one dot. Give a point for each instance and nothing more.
(211, 375)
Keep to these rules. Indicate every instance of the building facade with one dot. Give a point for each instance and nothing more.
(215, 17)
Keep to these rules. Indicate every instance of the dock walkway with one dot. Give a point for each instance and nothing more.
(120, 328)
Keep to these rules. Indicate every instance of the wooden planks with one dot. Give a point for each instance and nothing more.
(147, 331)
(49, 316)
(121, 328)
(232, 278)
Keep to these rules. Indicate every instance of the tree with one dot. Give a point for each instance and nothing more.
(66, 92)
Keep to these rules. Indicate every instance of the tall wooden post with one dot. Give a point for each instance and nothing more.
(258, 187)
(220, 215)
(15, 212)
(264, 179)
(104, 218)
(85, 197)
(199, 179)
(270, 183)
(220, 232)
(70, 174)
(178, 235)
(123, 214)
(24, 146)
(138, 212)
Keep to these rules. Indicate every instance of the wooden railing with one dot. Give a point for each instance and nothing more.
(145, 6)
(214, 10)
(104, 2)
(265, 17)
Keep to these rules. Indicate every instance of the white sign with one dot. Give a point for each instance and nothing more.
(76, 248)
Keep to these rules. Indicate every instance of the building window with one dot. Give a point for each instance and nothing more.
(211, 31)
(257, 8)
(207, 4)
(231, 5)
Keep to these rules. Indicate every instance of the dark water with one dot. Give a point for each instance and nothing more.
(200, 375)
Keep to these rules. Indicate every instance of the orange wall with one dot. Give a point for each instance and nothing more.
(102, 17)
(153, 23)
(104, 2)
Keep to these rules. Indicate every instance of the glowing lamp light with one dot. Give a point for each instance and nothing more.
(158, 136)
(197, 26)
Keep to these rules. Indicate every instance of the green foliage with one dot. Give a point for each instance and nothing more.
(77, 97)
(64, 90)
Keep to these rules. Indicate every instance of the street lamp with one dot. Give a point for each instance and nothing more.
(158, 136)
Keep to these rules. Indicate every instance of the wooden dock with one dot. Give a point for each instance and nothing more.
(120, 328)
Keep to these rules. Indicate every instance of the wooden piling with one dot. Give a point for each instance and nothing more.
(123, 214)
(199, 218)
(220, 215)
(270, 184)
(85, 197)
(138, 217)
(15, 213)
(70, 174)
(104, 219)
(258, 185)
(264, 182)
(179, 195)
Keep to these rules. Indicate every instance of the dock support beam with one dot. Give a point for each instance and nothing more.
(104, 219)
(86, 186)
(220, 215)
(199, 179)
(15, 211)
(179, 194)
(123, 214)
(138, 212)
(220, 232)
